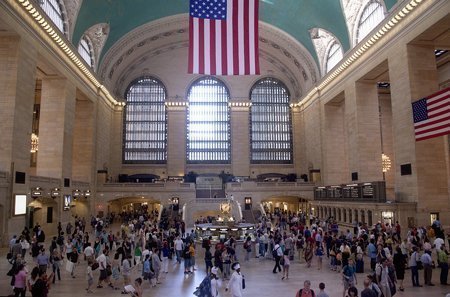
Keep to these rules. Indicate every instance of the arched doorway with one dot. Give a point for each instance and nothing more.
(45, 212)
(130, 205)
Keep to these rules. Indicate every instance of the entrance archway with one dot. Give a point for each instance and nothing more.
(44, 211)
(132, 204)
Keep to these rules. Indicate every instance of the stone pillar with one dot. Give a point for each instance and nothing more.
(176, 143)
(297, 141)
(83, 140)
(17, 84)
(240, 141)
(335, 159)
(363, 131)
(56, 127)
(413, 74)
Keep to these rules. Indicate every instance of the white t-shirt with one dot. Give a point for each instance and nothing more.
(438, 242)
(88, 251)
(102, 262)
(178, 244)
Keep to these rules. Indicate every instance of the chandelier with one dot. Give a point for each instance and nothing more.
(385, 163)
(34, 143)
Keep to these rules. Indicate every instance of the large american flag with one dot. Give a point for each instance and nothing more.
(223, 37)
(432, 115)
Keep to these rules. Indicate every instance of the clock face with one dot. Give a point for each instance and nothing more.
(225, 207)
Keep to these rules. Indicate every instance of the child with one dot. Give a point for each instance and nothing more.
(89, 276)
(286, 265)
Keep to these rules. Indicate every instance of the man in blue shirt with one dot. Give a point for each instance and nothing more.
(372, 252)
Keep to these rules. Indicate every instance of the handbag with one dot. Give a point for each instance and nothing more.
(419, 265)
(69, 266)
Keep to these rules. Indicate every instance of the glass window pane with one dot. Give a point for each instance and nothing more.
(208, 122)
(53, 10)
(270, 123)
(372, 15)
(145, 122)
(334, 56)
(84, 49)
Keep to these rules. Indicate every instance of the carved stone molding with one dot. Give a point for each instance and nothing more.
(72, 8)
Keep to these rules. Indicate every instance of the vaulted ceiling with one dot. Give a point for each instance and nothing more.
(294, 17)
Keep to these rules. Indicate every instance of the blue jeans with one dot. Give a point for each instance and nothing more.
(178, 253)
(444, 273)
(415, 276)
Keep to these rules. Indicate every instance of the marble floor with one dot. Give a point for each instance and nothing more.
(260, 281)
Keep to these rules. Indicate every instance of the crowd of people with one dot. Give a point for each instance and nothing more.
(147, 241)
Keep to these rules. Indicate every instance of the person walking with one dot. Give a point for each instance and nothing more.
(349, 276)
(277, 253)
(306, 291)
(215, 282)
(413, 265)
(384, 281)
(399, 264)
(235, 284)
(322, 291)
(43, 260)
(427, 268)
(20, 281)
(443, 264)
(286, 264)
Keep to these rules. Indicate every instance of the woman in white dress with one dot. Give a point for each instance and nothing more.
(215, 282)
(235, 283)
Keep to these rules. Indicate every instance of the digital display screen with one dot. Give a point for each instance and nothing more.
(67, 201)
(20, 205)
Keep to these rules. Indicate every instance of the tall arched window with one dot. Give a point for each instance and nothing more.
(372, 15)
(208, 122)
(85, 50)
(334, 56)
(53, 9)
(145, 122)
(270, 123)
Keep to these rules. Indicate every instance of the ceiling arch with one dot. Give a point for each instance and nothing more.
(141, 52)
(294, 17)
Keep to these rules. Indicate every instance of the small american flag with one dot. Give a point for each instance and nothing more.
(223, 37)
(432, 115)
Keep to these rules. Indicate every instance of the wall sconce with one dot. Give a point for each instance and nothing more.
(34, 143)
(77, 193)
(36, 192)
(55, 192)
(385, 163)
(87, 194)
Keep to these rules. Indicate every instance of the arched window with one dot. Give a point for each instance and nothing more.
(208, 122)
(53, 9)
(270, 123)
(334, 56)
(372, 15)
(85, 50)
(145, 122)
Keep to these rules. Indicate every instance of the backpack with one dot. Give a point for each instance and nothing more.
(274, 252)
(60, 240)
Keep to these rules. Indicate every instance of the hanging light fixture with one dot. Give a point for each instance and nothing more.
(34, 143)
(385, 163)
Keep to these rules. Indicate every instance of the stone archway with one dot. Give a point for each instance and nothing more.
(45, 212)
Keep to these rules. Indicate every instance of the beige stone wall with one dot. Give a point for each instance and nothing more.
(335, 144)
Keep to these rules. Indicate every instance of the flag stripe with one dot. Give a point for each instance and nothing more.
(230, 39)
(236, 36)
(212, 47)
(224, 29)
(432, 115)
(255, 27)
(191, 45)
(246, 37)
(223, 37)
(207, 41)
